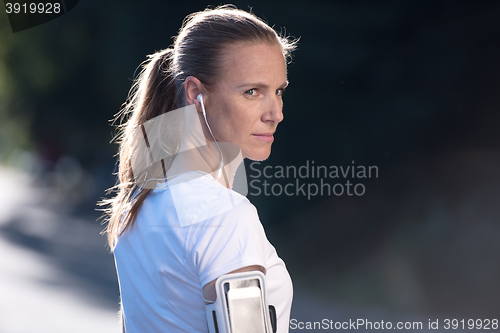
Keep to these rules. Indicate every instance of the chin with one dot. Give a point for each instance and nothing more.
(258, 156)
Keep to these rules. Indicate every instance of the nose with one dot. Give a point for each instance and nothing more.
(274, 109)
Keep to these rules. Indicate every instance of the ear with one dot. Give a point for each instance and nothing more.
(193, 87)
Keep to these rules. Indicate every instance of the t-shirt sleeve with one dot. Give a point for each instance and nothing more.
(226, 242)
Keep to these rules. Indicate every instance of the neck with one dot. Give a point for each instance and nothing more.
(208, 159)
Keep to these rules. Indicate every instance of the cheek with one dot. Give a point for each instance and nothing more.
(236, 122)
(238, 129)
(247, 123)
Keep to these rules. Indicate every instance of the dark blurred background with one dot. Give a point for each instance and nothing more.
(412, 87)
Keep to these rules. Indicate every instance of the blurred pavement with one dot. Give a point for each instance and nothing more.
(57, 275)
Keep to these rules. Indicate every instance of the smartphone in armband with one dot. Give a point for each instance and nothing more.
(241, 305)
(246, 310)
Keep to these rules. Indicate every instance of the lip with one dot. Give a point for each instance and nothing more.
(266, 137)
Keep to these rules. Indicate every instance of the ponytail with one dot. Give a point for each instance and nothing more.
(152, 94)
(158, 92)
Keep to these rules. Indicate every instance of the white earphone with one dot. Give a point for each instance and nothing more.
(200, 99)
(221, 165)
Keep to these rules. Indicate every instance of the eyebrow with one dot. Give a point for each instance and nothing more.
(260, 85)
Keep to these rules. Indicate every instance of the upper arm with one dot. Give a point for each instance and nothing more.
(209, 293)
(232, 242)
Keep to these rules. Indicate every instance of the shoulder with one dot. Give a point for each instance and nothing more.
(198, 197)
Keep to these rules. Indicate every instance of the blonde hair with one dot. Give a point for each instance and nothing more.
(159, 88)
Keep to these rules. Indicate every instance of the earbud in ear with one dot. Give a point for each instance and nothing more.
(200, 99)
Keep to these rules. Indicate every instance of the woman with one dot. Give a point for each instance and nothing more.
(171, 228)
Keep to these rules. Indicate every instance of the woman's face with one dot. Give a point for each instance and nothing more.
(245, 106)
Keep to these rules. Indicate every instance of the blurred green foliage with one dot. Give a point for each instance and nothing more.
(366, 79)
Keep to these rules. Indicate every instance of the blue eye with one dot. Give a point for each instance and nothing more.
(251, 92)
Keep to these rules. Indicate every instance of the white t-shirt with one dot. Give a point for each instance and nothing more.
(175, 248)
